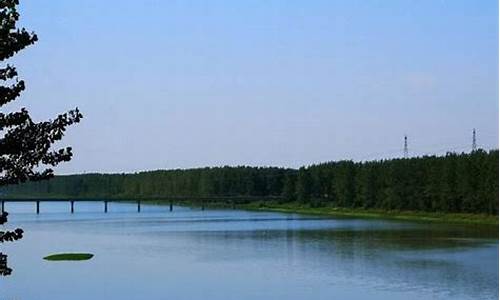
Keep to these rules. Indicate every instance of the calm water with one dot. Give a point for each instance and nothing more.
(230, 254)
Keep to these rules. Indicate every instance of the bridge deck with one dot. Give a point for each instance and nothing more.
(72, 202)
(169, 200)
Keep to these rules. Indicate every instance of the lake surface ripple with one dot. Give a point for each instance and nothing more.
(233, 254)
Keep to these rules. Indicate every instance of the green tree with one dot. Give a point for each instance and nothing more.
(303, 185)
(466, 182)
(345, 183)
(289, 188)
(25, 148)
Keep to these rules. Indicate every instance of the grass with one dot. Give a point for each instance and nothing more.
(69, 257)
(294, 207)
(330, 211)
(458, 218)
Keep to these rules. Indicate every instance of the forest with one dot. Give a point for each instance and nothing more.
(455, 182)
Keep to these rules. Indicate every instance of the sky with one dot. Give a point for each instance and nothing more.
(194, 83)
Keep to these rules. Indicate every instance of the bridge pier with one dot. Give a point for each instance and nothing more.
(105, 206)
(37, 207)
(72, 206)
(171, 206)
(138, 206)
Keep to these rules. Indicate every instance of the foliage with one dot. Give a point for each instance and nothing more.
(455, 183)
(25, 145)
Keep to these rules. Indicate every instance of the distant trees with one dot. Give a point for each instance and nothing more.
(466, 182)
(25, 145)
(303, 185)
(288, 191)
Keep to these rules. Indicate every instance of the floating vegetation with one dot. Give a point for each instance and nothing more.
(69, 256)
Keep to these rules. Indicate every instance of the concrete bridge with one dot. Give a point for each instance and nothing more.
(71, 203)
(232, 200)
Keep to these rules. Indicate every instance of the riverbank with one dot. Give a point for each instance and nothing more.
(329, 211)
(294, 207)
(458, 218)
(299, 208)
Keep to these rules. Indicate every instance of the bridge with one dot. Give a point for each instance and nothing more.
(232, 200)
(72, 203)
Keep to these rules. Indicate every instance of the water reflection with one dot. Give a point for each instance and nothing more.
(408, 259)
(225, 254)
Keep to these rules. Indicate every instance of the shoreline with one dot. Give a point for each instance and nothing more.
(329, 211)
(416, 216)
(298, 208)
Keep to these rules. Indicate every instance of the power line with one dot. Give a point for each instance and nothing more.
(433, 149)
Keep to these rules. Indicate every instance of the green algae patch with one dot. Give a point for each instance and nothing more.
(69, 257)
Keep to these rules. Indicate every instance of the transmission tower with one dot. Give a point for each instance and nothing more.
(474, 144)
(406, 147)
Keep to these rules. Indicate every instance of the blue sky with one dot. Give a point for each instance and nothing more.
(179, 84)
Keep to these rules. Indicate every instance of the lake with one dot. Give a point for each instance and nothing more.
(234, 254)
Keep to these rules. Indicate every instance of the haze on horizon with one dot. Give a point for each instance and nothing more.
(181, 84)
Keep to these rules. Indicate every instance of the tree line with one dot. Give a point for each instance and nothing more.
(466, 183)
